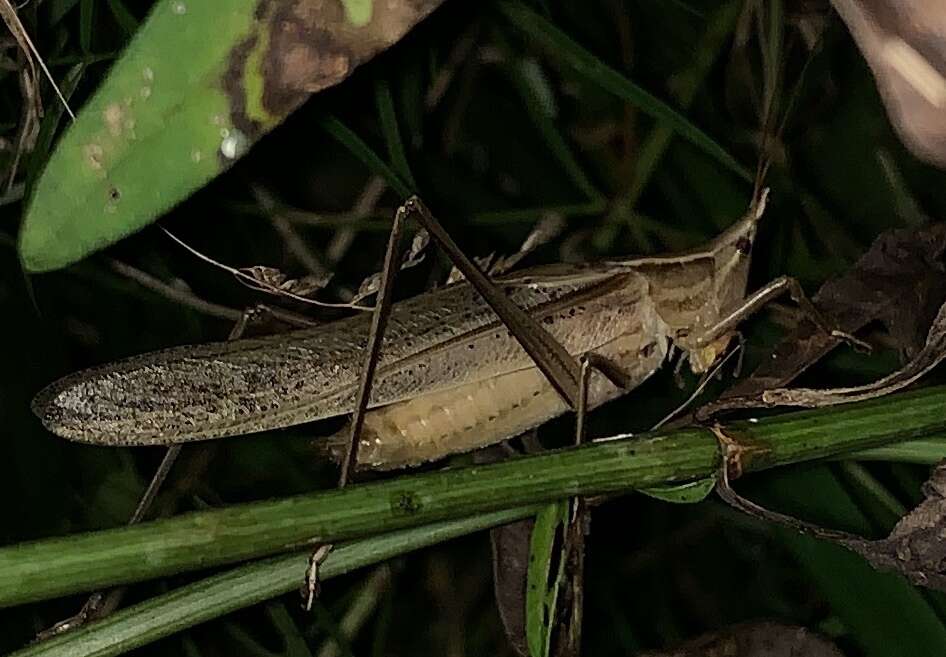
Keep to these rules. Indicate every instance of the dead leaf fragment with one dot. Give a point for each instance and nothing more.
(265, 279)
(762, 639)
(916, 547)
(550, 226)
(932, 354)
(904, 44)
(413, 257)
(32, 110)
(899, 283)
(510, 545)
(544, 232)
(304, 46)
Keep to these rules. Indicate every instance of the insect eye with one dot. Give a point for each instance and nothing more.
(744, 245)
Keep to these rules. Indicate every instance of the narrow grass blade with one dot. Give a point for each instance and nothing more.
(220, 594)
(561, 46)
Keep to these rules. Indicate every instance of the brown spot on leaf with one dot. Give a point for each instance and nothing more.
(304, 54)
(114, 116)
(93, 156)
(233, 87)
(311, 45)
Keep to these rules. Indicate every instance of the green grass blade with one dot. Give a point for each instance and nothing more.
(59, 8)
(718, 30)
(366, 154)
(689, 493)
(392, 133)
(86, 24)
(928, 451)
(542, 585)
(123, 17)
(245, 586)
(543, 33)
(50, 124)
(532, 85)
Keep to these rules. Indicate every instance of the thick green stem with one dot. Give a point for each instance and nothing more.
(55, 567)
(220, 594)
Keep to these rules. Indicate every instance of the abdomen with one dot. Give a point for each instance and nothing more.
(483, 413)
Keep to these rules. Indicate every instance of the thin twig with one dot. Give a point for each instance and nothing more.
(258, 284)
(364, 205)
(459, 55)
(184, 297)
(22, 37)
(294, 242)
(360, 610)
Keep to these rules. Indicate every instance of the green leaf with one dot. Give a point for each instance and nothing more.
(543, 585)
(688, 493)
(350, 140)
(199, 83)
(156, 130)
(392, 133)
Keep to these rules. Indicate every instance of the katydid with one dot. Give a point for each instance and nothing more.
(451, 376)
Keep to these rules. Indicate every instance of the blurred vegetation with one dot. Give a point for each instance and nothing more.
(500, 127)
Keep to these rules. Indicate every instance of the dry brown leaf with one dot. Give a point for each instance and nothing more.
(413, 257)
(916, 548)
(32, 110)
(550, 226)
(512, 553)
(510, 545)
(904, 44)
(762, 639)
(270, 280)
(900, 283)
(546, 230)
(483, 262)
(265, 279)
(932, 354)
